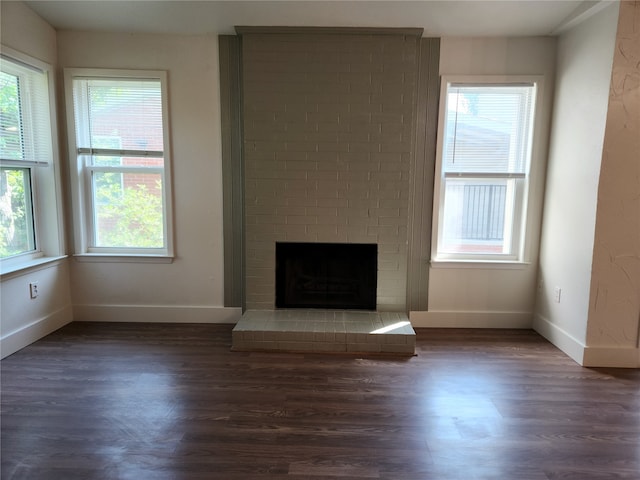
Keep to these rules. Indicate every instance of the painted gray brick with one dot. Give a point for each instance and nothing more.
(328, 123)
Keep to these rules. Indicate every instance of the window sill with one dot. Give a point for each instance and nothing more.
(486, 264)
(15, 270)
(122, 258)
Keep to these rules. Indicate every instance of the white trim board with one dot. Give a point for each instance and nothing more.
(570, 345)
(155, 313)
(585, 355)
(466, 319)
(26, 335)
(616, 357)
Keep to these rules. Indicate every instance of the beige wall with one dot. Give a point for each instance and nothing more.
(474, 295)
(585, 56)
(614, 304)
(191, 288)
(22, 319)
(26, 32)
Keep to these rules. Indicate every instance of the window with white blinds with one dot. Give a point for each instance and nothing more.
(126, 109)
(488, 129)
(25, 120)
(25, 145)
(484, 157)
(120, 143)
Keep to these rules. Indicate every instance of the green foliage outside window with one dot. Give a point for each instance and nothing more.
(15, 228)
(128, 216)
(11, 147)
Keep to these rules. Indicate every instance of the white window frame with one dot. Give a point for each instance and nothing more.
(83, 211)
(521, 184)
(46, 198)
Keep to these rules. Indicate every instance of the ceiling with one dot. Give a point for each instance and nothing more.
(438, 18)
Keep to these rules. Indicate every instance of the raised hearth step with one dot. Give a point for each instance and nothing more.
(312, 330)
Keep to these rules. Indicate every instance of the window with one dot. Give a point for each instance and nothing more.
(484, 159)
(122, 189)
(29, 223)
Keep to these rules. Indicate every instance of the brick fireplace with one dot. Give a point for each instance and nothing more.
(329, 122)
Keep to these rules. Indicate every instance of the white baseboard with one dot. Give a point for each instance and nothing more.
(18, 339)
(587, 356)
(618, 357)
(455, 319)
(155, 313)
(570, 345)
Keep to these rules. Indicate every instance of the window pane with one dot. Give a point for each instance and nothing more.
(128, 210)
(11, 141)
(121, 161)
(16, 218)
(120, 112)
(488, 129)
(478, 217)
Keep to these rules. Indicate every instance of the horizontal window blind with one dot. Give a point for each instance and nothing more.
(25, 122)
(488, 129)
(129, 111)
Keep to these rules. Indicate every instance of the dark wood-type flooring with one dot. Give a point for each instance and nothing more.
(145, 401)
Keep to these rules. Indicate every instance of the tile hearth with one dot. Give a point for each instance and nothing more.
(338, 331)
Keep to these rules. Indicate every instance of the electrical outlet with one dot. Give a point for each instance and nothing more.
(557, 292)
(33, 289)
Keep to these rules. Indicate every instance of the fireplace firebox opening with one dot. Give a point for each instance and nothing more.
(326, 275)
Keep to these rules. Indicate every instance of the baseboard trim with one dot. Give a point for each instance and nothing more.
(570, 345)
(18, 339)
(617, 357)
(155, 313)
(457, 319)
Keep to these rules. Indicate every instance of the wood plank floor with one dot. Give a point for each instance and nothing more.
(141, 401)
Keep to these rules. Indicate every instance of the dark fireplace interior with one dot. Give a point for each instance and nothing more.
(326, 275)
